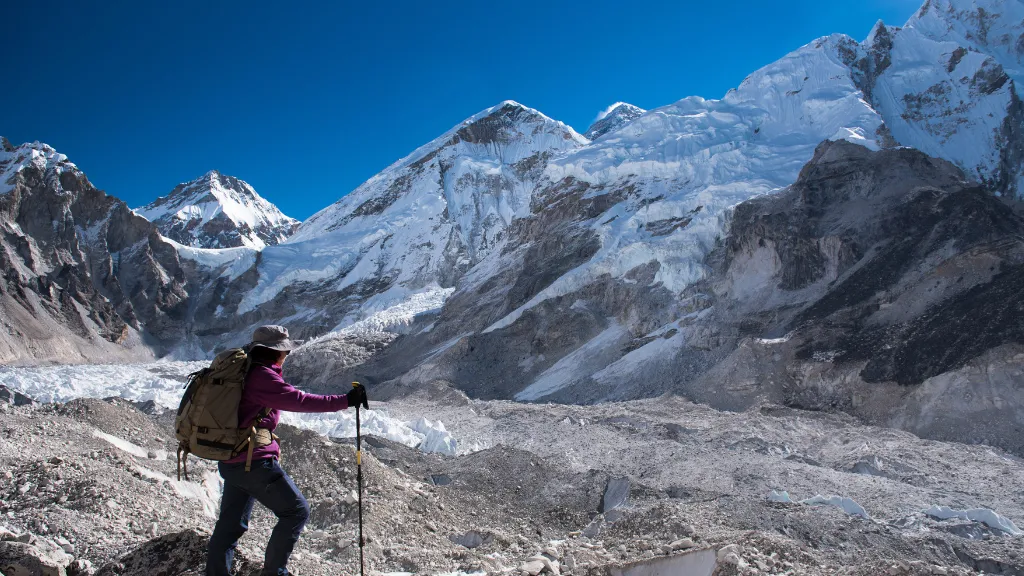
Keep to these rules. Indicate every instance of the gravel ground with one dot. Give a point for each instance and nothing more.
(547, 493)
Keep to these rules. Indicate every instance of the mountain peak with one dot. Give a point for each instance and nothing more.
(879, 33)
(613, 118)
(218, 211)
(994, 27)
(43, 156)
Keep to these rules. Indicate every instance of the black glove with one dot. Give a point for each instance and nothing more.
(357, 396)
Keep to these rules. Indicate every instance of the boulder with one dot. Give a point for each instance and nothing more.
(532, 567)
(32, 556)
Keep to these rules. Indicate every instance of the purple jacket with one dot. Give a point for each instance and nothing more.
(265, 388)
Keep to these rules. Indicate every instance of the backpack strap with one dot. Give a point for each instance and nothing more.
(183, 452)
(252, 436)
(252, 444)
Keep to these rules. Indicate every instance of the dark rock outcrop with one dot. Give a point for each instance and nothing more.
(176, 554)
(84, 276)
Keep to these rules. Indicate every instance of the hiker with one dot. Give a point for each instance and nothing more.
(266, 394)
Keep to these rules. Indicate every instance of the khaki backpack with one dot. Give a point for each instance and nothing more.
(207, 422)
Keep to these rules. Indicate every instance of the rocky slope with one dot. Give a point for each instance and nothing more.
(557, 489)
(218, 211)
(85, 278)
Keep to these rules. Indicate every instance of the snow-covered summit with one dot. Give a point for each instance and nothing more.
(613, 118)
(494, 141)
(218, 211)
(994, 27)
(422, 222)
(14, 159)
(946, 83)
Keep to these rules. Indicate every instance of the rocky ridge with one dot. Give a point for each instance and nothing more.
(411, 231)
(84, 276)
(878, 284)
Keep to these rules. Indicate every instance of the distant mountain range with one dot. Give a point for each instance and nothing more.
(779, 243)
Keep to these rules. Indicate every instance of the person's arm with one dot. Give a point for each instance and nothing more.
(269, 389)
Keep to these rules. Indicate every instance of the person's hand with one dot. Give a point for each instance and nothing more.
(357, 396)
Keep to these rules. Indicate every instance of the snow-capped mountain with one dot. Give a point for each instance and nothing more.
(613, 118)
(418, 225)
(218, 211)
(946, 99)
(518, 259)
(600, 278)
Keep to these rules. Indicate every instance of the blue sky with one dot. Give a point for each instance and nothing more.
(306, 102)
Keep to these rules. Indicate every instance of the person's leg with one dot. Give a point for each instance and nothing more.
(235, 509)
(283, 498)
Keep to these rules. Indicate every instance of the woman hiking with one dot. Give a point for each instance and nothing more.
(266, 394)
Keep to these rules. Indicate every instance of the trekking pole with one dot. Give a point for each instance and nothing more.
(359, 482)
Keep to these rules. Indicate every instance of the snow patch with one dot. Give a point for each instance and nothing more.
(424, 434)
(126, 446)
(207, 491)
(232, 262)
(388, 315)
(983, 515)
(845, 504)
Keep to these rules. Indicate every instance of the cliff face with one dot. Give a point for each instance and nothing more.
(84, 277)
(881, 284)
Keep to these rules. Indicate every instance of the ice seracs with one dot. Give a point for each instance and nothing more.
(218, 211)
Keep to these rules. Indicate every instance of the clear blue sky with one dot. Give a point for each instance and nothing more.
(305, 102)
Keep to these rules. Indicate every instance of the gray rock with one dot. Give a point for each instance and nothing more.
(33, 557)
(168, 554)
(440, 479)
(472, 539)
(532, 567)
(682, 544)
(615, 494)
(14, 397)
